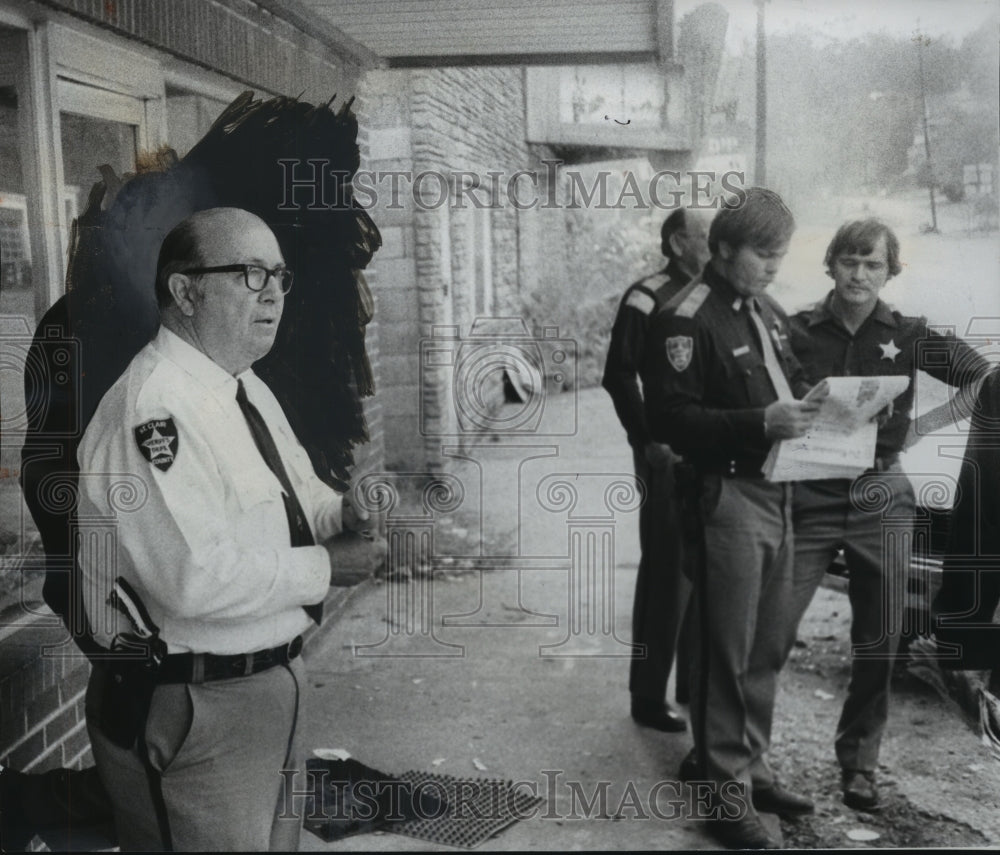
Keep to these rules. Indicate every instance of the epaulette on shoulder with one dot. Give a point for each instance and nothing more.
(805, 309)
(641, 300)
(654, 281)
(689, 300)
(903, 318)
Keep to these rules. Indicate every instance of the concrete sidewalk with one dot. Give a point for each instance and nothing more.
(518, 668)
(510, 661)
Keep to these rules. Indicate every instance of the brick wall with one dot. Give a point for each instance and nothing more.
(42, 724)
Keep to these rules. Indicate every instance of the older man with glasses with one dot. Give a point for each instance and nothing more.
(201, 580)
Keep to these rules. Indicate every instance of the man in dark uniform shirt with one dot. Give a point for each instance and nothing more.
(662, 590)
(851, 332)
(725, 391)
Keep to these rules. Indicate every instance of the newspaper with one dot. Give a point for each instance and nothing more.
(841, 442)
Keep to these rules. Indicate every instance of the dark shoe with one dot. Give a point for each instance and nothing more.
(657, 716)
(776, 799)
(689, 769)
(859, 789)
(747, 832)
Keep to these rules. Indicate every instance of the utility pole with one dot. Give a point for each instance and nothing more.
(922, 42)
(760, 164)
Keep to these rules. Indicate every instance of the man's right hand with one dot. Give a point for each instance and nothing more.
(789, 419)
(354, 558)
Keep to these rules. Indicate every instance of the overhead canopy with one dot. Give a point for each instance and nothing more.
(416, 33)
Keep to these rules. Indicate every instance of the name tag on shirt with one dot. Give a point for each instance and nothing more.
(739, 351)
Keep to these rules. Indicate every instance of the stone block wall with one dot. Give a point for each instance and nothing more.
(446, 261)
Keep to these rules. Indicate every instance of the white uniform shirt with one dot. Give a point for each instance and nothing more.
(198, 527)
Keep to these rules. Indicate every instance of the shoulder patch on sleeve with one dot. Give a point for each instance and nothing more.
(157, 440)
(680, 348)
(641, 301)
(691, 301)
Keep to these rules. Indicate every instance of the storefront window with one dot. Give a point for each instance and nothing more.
(189, 116)
(88, 143)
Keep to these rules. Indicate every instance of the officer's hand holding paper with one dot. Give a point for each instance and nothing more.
(784, 419)
(841, 441)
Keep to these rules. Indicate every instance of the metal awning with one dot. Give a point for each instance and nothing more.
(418, 33)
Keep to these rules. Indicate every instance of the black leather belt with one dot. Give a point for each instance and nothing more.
(204, 667)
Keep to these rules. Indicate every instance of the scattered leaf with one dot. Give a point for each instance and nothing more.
(437, 761)
(417, 681)
(479, 764)
(823, 696)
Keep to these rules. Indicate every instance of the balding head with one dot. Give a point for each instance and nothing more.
(684, 238)
(214, 310)
(183, 247)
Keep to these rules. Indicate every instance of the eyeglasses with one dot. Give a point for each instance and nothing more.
(254, 276)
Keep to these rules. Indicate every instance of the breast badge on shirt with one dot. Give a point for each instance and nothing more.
(889, 350)
(157, 440)
(679, 351)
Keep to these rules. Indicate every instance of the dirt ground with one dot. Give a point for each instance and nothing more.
(940, 785)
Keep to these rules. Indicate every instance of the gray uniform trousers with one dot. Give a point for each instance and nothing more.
(871, 519)
(662, 590)
(219, 748)
(741, 592)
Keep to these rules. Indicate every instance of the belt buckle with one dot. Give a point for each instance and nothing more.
(241, 666)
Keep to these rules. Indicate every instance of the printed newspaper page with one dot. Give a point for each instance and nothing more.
(841, 443)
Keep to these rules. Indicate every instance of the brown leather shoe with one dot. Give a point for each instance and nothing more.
(776, 799)
(859, 789)
(747, 832)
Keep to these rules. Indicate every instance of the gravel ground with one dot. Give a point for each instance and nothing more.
(940, 785)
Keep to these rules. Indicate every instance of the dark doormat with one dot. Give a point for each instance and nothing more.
(472, 809)
(349, 798)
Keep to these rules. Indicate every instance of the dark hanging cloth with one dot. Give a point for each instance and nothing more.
(970, 585)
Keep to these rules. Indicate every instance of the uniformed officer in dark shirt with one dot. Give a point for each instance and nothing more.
(662, 590)
(851, 332)
(728, 388)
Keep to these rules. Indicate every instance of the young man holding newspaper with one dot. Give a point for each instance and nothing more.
(852, 333)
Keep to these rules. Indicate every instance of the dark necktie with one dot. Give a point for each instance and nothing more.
(298, 525)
